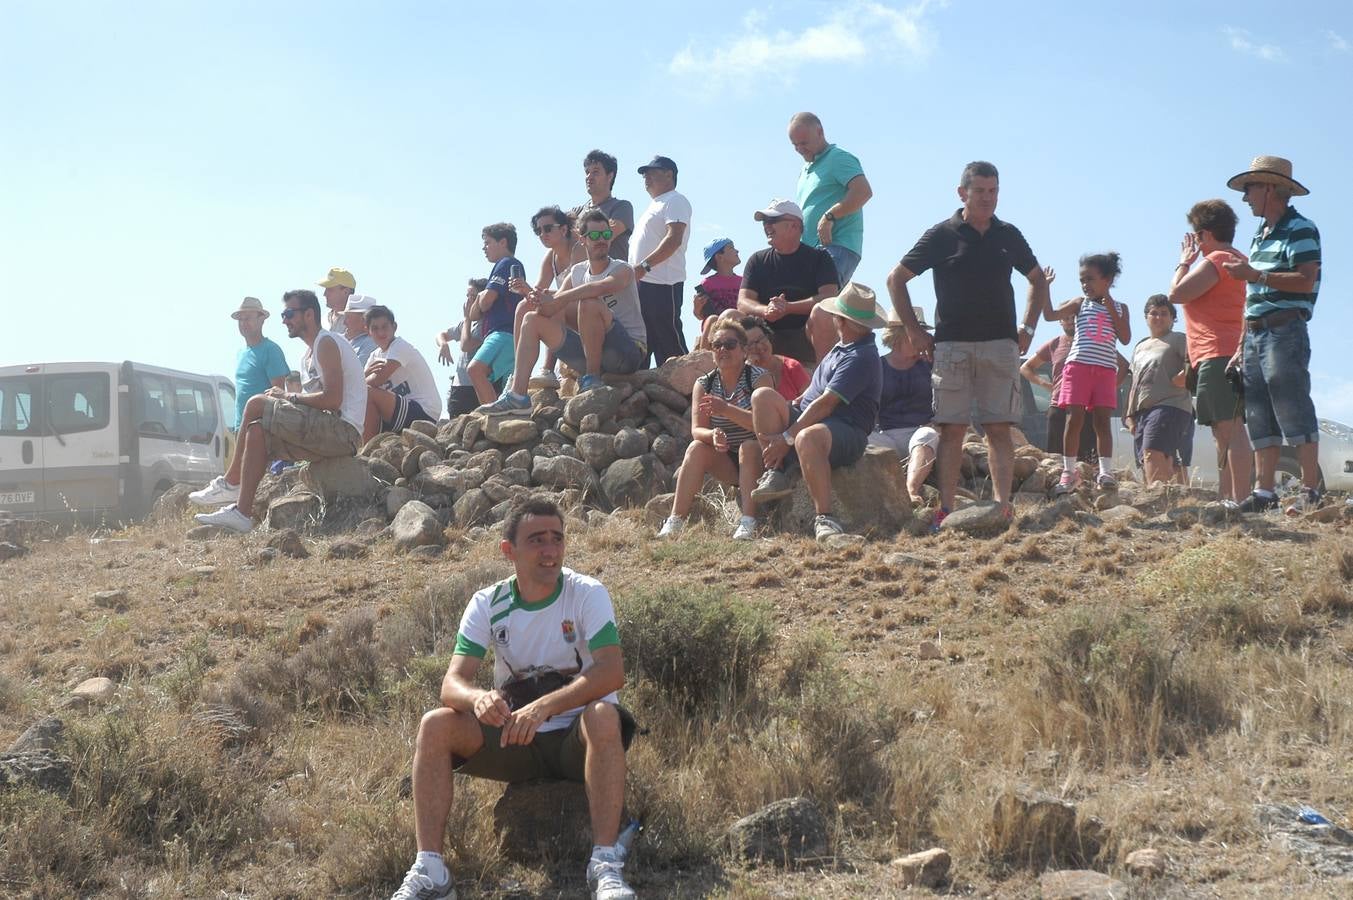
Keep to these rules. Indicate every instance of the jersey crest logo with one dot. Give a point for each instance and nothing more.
(570, 634)
(500, 635)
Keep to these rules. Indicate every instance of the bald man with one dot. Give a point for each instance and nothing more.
(832, 192)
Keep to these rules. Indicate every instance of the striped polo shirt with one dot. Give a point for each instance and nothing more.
(1291, 242)
(740, 396)
(1096, 343)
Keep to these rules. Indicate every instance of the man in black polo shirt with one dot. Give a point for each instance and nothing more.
(976, 347)
(783, 284)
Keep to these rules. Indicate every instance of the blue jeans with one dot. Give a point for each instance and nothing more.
(1278, 402)
(846, 260)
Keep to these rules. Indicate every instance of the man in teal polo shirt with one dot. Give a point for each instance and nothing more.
(261, 364)
(832, 191)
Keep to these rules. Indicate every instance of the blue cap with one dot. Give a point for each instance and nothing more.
(712, 250)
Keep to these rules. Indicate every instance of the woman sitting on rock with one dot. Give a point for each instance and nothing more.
(722, 443)
(906, 405)
(787, 375)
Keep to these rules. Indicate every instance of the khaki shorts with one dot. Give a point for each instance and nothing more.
(556, 754)
(976, 382)
(301, 433)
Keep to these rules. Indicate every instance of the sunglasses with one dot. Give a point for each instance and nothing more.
(290, 312)
(727, 344)
(545, 229)
(603, 235)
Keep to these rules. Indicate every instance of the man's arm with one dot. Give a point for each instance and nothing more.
(606, 675)
(331, 376)
(901, 299)
(1302, 281)
(670, 243)
(379, 371)
(1040, 300)
(804, 307)
(485, 301)
(858, 193)
(617, 281)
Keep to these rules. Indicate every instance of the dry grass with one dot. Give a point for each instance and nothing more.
(1170, 680)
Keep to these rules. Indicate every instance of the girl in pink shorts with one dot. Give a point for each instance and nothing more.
(1090, 378)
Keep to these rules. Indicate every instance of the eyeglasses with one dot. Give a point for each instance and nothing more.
(727, 344)
(289, 312)
(603, 235)
(545, 229)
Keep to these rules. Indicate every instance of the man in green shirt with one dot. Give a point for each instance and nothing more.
(832, 191)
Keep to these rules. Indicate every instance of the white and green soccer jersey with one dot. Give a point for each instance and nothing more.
(560, 632)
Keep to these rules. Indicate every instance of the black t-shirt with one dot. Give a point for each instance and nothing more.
(798, 275)
(974, 300)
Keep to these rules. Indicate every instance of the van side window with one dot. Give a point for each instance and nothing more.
(16, 405)
(153, 403)
(194, 412)
(225, 393)
(77, 402)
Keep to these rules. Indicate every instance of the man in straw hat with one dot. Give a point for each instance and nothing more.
(828, 426)
(977, 346)
(1283, 273)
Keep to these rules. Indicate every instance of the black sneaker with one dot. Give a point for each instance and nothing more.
(1257, 502)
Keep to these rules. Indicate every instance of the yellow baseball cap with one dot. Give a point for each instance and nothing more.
(339, 278)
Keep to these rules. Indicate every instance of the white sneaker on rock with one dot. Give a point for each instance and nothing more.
(228, 517)
(605, 879)
(217, 493)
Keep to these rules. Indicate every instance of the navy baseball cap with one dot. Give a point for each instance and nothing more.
(659, 162)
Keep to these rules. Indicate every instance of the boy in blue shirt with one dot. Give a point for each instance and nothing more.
(495, 308)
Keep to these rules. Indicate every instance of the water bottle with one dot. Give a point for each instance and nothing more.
(626, 838)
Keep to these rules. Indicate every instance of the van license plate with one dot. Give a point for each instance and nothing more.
(16, 497)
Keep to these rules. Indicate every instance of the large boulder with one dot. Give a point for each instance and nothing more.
(510, 431)
(630, 442)
(172, 504)
(680, 372)
(600, 401)
(543, 821)
(472, 507)
(596, 449)
(44, 734)
(42, 769)
(299, 510)
(561, 472)
(416, 525)
(869, 498)
(675, 424)
(660, 392)
(787, 832)
(341, 476)
(1037, 830)
(631, 482)
(985, 517)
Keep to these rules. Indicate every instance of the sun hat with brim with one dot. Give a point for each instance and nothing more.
(339, 278)
(250, 305)
(1269, 170)
(856, 303)
(359, 303)
(713, 249)
(894, 321)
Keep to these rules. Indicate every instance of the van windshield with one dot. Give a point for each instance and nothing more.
(16, 405)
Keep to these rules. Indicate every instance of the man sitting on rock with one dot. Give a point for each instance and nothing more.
(553, 711)
(400, 386)
(323, 421)
(611, 338)
(829, 425)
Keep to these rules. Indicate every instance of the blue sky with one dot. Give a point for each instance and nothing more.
(159, 161)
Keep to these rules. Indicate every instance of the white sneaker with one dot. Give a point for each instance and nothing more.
(603, 876)
(227, 517)
(419, 886)
(671, 527)
(216, 493)
(746, 530)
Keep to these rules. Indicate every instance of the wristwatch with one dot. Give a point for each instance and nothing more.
(829, 216)
(647, 267)
(1027, 329)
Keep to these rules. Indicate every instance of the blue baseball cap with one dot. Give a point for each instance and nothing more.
(712, 250)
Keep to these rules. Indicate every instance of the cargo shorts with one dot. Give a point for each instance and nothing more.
(299, 433)
(976, 382)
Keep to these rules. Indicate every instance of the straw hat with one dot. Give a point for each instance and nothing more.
(856, 303)
(250, 305)
(1269, 170)
(894, 321)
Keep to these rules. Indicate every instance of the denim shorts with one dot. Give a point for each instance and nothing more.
(620, 353)
(1278, 403)
(848, 442)
(1167, 430)
(846, 259)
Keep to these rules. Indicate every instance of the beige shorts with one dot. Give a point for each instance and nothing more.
(301, 433)
(976, 382)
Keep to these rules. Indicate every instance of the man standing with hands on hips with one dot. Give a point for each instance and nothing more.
(658, 255)
(977, 345)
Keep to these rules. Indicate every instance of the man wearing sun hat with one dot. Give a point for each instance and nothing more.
(354, 326)
(261, 364)
(828, 426)
(784, 283)
(338, 286)
(1283, 273)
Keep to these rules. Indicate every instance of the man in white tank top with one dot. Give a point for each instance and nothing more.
(323, 421)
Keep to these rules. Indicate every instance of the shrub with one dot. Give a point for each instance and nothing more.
(698, 645)
(338, 671)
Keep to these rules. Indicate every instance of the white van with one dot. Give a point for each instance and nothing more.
(101, 441)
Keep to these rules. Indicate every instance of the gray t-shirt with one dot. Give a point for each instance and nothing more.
(624, 306)
(1155, 361)
(621, 211)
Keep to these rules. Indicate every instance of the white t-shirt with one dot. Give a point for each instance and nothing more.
(624, 306)
(652, 228)
(413, 378)
(353, 410)
(560, 632)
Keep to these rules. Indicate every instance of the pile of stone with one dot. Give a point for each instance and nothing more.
(613, 447)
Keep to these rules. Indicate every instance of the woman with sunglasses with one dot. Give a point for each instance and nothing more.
(722, 442)
(787, 375)
(562, 249)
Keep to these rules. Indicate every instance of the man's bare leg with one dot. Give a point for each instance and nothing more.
(1000, 459)
(603, 771)
(949, 461)
(442, 734)
(814, 447)
(255, 463)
